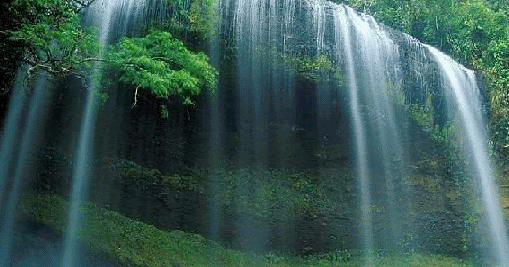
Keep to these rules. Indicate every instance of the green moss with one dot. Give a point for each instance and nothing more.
(271, 191)
(317, 68)
(144, 177)
(129, 240)
(296, 192)
(139, 243)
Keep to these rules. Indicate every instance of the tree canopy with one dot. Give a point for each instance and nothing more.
(163, 65)
(55, 40)
(52, 36)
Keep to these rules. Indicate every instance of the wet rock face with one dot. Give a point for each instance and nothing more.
(141, 193)
(302, 234)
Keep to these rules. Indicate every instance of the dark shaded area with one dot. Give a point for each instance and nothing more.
(36, 245)
(10, 56)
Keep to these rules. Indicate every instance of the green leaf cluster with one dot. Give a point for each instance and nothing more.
(162, 65)
(55, 41)
(202, 17)
(52, 35)
(474, 28)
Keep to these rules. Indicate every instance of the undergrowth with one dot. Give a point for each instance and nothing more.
(138, 243)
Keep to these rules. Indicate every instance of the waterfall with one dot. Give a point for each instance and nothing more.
(360, 140)
(29, 136)
(466, 96)
(112, 19)
(11, 128)
(307, 76)
(383, 74)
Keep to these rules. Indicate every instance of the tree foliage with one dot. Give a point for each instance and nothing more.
(52, 36)
(55, 41)
(162, 65)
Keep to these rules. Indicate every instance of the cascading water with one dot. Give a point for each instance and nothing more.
(103, 14)
(376, 128)
(10, 130)
(34, 124)
(360, 140)
(465, 95)
(374, 86)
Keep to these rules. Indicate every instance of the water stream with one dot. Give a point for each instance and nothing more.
(104, 14)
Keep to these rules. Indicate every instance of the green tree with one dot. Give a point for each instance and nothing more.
(55, 41)
(162, 65)
(473, 27)
(52, 36)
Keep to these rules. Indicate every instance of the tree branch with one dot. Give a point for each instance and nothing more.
(135, 97)
(89, 59)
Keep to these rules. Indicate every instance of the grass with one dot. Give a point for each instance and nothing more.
(142, 244)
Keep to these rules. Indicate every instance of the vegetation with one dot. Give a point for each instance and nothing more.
(135, 242)
(55, 41)
(276, 197)
(317, 68)
(163, 65)
(52, 36)
(193, 24)
(296, 192)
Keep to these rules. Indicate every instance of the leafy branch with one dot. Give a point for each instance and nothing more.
(162, 65)
(55, 41)
(53, 38)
